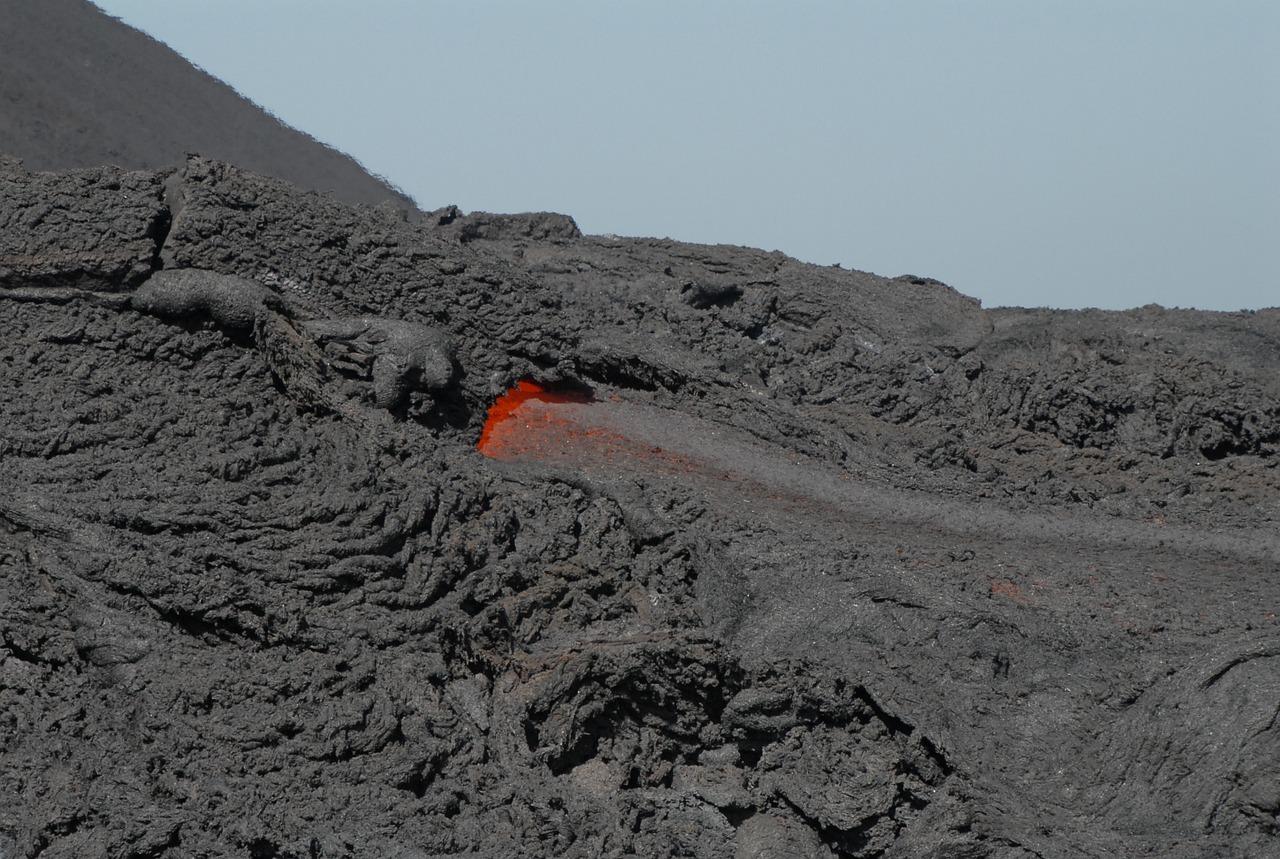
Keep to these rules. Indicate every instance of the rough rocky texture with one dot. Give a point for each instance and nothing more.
(947, 582)
(100, 229)
(79, 88)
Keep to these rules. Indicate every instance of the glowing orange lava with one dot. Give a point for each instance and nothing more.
(571, 429)
(504, 435)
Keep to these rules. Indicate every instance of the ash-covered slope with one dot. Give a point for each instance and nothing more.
(79, 88)
(810, 563)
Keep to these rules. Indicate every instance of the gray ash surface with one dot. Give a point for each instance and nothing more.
(826, 564)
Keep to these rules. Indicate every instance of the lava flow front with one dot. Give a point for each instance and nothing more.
(612, 437)
(516, 425)
(534, 423)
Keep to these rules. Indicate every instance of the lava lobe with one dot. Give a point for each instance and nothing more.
(514, 424)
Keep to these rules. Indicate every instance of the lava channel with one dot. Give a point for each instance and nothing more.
(531, 422)
(572, 429)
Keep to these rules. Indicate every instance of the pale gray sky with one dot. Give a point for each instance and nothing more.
(1078, 153)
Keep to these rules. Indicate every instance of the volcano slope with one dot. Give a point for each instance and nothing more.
(79, 88)
(761, 559)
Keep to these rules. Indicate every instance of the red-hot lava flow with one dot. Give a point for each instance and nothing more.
(570, 428)
(512, 427)
(531, 422)
(614, 437)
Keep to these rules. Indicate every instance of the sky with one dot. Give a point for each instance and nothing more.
(1082, 153)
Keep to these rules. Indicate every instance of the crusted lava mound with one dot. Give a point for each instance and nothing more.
(761, 559)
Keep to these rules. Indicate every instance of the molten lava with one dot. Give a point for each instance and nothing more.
(571, 429)
(514, 423)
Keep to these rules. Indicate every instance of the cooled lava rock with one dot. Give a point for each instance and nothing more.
(777, 560)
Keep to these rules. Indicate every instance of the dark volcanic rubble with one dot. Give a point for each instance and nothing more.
(260, 595)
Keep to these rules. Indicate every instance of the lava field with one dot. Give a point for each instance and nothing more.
(328, 532)
(341, 530)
